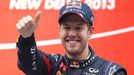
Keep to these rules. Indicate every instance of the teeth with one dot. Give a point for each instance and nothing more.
(72, 40)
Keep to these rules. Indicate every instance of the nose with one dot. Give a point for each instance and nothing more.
(72, 33)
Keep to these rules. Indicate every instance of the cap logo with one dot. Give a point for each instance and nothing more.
(74, 5)
(91, 19)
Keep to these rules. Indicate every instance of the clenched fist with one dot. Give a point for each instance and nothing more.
(26, 26)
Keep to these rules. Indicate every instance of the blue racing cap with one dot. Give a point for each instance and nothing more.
(79, 8)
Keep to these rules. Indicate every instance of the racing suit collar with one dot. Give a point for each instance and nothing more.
(81, 63)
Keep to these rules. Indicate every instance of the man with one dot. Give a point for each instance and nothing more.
(76, 25)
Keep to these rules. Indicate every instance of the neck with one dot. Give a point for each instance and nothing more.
(82, 56)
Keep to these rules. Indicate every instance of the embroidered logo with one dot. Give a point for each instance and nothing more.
(92, 71)
(112, 70)
(74, 5)
(55, 57)
(74, 64)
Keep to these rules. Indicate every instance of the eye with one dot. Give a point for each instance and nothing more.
(79, 28)
(66, 28)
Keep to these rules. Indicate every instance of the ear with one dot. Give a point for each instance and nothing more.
(90, 32)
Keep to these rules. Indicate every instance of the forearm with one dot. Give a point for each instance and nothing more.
(29, 58)
(25, 44)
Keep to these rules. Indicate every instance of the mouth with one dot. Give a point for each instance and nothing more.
(72, 43)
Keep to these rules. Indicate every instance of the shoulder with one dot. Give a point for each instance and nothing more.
(111, 68)
(116, 69)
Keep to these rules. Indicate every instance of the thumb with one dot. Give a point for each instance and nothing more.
(37, 17)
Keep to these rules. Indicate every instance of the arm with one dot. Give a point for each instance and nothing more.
(30, 60)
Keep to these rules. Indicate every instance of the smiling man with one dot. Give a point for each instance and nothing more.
(76, 26)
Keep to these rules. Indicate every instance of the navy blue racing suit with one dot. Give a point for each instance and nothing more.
(35, 62)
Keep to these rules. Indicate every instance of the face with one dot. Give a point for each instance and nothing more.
(74, 33)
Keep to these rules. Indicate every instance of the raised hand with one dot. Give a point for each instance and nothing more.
(26, 26)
